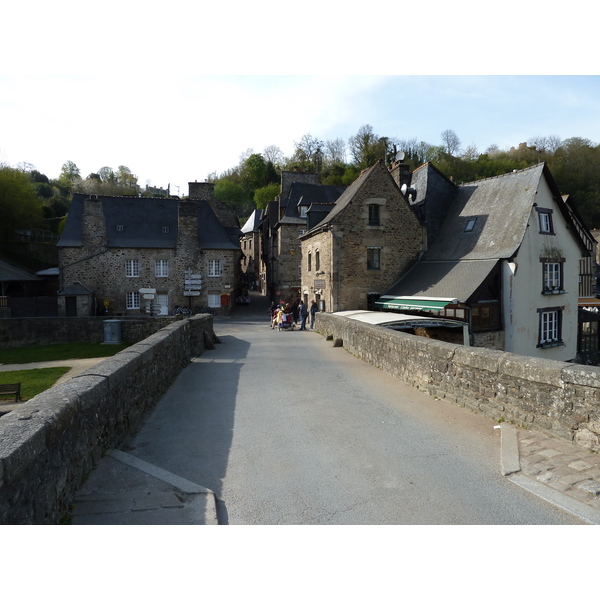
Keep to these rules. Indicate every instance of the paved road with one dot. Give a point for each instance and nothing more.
(287, 429)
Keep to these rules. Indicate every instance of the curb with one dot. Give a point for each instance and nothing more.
(183, 485)
(511, 467)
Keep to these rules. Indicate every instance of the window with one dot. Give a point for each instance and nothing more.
(215, 269)
(214, 300)
(373, 258)
(119, 227)
(309, 261)
(552, 275)
(317, 260)
(303, 211)
(132, 300)
(470, 225)
(165, 230)
(132, 268)
(161, 268)
(545, 218)
(550, 329)
(373, 214)
(485, 315)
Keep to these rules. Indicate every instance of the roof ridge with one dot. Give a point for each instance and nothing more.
(513, 172)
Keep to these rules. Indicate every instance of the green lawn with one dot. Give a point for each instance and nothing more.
(33, 381)
(30, 354)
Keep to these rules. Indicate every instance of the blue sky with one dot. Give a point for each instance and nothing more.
(159, 90)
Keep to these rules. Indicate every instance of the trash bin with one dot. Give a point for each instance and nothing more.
(112, 331)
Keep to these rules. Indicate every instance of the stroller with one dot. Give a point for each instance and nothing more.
(285, 321)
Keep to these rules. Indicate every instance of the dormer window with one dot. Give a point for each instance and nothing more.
(545, 219)
(470, 225)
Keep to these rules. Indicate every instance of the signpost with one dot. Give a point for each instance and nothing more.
(192, 285)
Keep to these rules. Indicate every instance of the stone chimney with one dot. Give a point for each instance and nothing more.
(401, 173)
(201, 190)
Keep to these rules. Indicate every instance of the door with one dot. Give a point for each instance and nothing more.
(162, 303)
(71, 306)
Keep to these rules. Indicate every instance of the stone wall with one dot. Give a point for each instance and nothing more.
(559, 397)
(16, 333)
(50, 443)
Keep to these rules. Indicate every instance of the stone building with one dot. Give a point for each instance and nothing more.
(359, 249)
(148, 255)
(250, 247)
(503, 254)
(284, 221)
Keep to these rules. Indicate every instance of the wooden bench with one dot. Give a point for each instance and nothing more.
(10, 389)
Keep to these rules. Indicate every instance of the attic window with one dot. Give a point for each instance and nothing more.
(119, 227)
(545, 219)
(165, 230)
(470, 225)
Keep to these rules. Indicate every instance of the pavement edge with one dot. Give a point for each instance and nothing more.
(511, 467)
(182, 484)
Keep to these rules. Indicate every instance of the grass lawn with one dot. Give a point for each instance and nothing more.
(33, 381)
(30, 354)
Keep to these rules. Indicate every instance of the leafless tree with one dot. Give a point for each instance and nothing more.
(451, 142)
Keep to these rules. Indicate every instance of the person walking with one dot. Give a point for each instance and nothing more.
(303, 313)
(313, 310)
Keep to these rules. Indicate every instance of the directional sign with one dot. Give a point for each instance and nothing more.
(191, 293)
(147, 291)
(193, 287)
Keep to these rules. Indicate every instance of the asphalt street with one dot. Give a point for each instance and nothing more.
(284, 428)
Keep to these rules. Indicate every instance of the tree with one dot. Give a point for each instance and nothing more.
(366, 147)
(274, 155)
(264, 195)
(307, 153)
(70, 172)
(335, 152)
(451, 142)
(19, 206)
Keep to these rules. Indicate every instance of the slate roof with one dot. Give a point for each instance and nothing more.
(502, 206)
(133, 222)
(305, 194)
(75, 289)
(443, 279)
(10, 273)
(458, 262)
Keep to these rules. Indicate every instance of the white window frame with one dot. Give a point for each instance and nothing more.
(132, 300)
(214, 268)
(161, 267)
(550, 333)
(214, 300)
(552, 276)
(132, 268)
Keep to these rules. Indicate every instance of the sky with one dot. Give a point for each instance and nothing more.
(179, 92)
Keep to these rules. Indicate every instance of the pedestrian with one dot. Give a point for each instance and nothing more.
(313, 310)
(295, 312)
(303, 313)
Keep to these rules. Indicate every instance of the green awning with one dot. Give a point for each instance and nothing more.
(412, 304)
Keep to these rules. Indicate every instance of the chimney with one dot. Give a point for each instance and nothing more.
(201, 190)
(401, 173)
